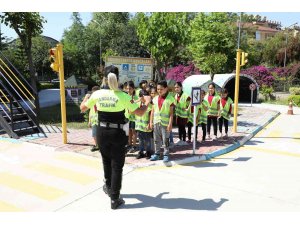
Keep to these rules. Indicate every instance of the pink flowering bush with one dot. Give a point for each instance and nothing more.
(180, 72)
(261, 74)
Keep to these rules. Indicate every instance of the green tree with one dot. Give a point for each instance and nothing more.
(27, 25)
(213, 35)
(163, 34)
(73, 41)
(40, 55)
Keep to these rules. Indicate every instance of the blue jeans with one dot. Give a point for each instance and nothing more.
(144, 141)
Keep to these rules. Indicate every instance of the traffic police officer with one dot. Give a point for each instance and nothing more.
(111, 138)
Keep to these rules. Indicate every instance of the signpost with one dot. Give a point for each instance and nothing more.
(252, 87)
(196, 100)
(131, 68)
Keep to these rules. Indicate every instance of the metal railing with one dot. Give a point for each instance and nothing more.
(17, 84)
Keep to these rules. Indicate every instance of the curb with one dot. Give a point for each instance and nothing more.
(214, 154)
(241, 142)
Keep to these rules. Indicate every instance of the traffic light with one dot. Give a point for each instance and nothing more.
(244, 58)
(54, 59)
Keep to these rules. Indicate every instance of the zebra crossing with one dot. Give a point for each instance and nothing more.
(37, 178)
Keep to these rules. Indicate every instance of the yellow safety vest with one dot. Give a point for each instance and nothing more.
(182, 105)
(162, 115)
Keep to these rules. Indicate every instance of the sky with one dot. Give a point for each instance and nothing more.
(57, 22)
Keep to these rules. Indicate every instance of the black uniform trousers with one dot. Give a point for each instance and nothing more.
(111, 142)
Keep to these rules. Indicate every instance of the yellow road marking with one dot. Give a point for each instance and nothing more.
(5, 207)
(80, 160)
(60, 172)
(275, 134)
(31, 187)
(296, 137)
(271, 151)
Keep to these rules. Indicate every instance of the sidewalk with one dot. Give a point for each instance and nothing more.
(250, 121)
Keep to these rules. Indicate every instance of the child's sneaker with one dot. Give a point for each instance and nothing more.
(140, 155)
(208, 136)
(154, 157)
(166, 158)
(214, 137)
(226, 135)
(148, 155)
(94, 148)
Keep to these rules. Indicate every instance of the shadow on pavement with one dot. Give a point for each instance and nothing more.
(205, 164)
(172, 203)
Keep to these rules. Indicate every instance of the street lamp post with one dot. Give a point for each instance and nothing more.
(99, 42)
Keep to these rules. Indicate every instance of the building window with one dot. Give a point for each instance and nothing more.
(74, 93)
(79, 92)
(257, 35)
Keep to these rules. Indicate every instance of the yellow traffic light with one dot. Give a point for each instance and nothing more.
(244, 58)
(54, 59)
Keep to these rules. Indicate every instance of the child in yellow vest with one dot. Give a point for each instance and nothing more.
(225, 111)
(161, 120)
(202, 116)
(142, 127)
(213, 100)
(93, 122)
(132, 137)
(182, 103)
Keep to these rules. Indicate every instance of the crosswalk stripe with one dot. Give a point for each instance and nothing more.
(95, 164)
(31, 187)
(275, 134)
(60, 172)
(6, 207)
(296, 137)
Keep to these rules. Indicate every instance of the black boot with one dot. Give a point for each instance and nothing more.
(115, 203)
(106, 190)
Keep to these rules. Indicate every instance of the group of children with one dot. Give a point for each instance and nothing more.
(154, 128)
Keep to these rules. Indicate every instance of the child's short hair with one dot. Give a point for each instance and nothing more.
(163, 83)
(224, 91)
(143, 93)
(95, 88)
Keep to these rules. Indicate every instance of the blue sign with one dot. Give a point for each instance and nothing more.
(140, 67)
(125, 67)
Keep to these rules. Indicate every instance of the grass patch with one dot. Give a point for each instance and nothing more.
(277, 102)
(75, 119)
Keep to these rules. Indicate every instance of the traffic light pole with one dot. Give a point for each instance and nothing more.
(62, 92)
(236, 90)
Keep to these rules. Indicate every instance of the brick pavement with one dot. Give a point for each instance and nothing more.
(80, 140)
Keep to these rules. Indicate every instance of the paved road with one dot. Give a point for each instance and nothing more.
(263, 175)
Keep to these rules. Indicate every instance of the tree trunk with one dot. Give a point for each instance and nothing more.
(212, 76)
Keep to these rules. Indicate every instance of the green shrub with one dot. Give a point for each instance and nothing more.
(266, 91)
(295, 99)
(294, 90)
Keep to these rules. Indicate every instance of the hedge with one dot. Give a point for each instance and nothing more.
(294, 90)
(295, 99)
